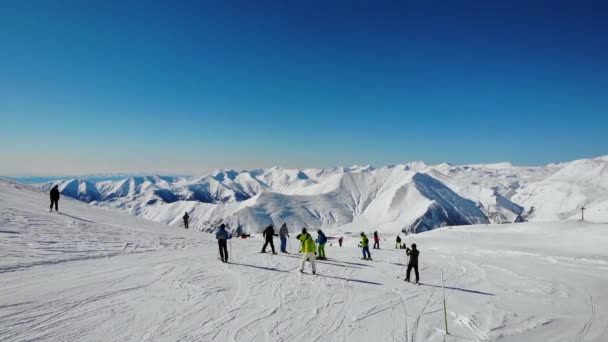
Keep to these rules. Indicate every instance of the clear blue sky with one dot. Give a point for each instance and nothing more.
(182, 86)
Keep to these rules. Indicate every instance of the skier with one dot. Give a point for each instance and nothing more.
(186, 219)
(268, 235)
(283, 235)
(365, 245)
(413, 263)
(222, 237)
(340, 241)
(321, 240)
(55, 198)
(398, 244)
(376, 240)
(308, 248)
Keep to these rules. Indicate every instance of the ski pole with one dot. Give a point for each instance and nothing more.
(445, 310)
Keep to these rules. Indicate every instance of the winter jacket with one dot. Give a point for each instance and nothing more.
(413, 253)
(222, 234)
(186, 217)
(376, 238)
(283, 232)
(268, 233)
(398, 239)
(308, 245)
(321, 238)
(55, 194)
(364, 241)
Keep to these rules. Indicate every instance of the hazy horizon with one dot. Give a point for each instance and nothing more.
(122, 174)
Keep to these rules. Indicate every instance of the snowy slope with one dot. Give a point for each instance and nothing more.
(560, 196)
(496, 207)
(92, 274)
(387, 198)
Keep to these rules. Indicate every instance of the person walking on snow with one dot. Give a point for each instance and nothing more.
(283, 235)
(321, 240)
(340, 241)
(376, 240)
(365, 246)
(222, 237)
(308, 248)
(269, 235)
(413, 263)
(398, 243)
(55, 198)
(186, 219)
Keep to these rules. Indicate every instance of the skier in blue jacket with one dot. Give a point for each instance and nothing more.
(222, 237)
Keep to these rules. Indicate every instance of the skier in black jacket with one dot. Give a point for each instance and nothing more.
(268, 235)
(55, 198)
(186, 219)
(413, 263)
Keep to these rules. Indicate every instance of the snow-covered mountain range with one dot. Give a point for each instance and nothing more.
(411, 197)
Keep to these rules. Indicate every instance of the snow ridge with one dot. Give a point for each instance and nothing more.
(411, 197)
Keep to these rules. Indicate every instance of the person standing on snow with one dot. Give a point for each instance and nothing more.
(413, 263)
(222, 237)
(308, 248)
(269, 235)
(365, 246)
(398, 243)
(340, 241)
(376, 240)
(284, 235)
(186, 219)
(321, 240)
(55, 198)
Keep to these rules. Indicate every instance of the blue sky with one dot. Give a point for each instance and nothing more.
(178, 87)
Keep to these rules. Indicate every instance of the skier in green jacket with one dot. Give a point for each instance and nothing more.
(365, 245)
(308, 250)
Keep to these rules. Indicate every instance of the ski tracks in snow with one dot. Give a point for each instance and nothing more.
(86, 277)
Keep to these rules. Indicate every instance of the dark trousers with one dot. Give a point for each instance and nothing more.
(223, 250)
(409, 269)
(366, 253)
(377, 244)
(186, 224)
(266, 244)
(56, 202)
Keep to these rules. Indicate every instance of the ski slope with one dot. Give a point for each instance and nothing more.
(92, 274)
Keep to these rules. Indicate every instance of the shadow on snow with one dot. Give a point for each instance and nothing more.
(350, 279)
(76, 218)
(460, 289)
(259, 267)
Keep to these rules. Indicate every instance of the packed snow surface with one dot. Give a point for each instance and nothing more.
(92, 274)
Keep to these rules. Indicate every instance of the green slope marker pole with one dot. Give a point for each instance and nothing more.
(445, 310)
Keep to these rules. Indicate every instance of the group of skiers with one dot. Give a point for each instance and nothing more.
(313, 249)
